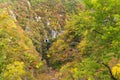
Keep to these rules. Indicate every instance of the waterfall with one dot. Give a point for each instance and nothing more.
(12, 15)
(53, 33)
(28, 2)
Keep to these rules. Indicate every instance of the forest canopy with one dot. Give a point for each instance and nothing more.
(59, 40)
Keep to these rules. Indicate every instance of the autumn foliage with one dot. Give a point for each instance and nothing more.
(60, 40)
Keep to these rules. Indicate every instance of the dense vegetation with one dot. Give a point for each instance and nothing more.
(59, 40)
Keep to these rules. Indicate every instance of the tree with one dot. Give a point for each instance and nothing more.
(97, 31)
(18, 57)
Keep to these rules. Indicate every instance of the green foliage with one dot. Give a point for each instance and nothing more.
(87, 47)
(1, 66)
(35, 14)
(97, 32)
(14, 71)
(2, 1)
(56, 52)
(16, 50)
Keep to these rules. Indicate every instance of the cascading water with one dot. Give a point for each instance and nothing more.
(12, 15)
